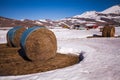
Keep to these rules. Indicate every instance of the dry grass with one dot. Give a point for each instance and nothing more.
(3, 46)
(108, 31)
(16, 39)
(17, 36)
(12, 63)
(41, 45)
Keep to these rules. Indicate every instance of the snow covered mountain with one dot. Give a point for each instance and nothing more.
(114, 9)
(110, 15)
(88, 14)
(92, 14)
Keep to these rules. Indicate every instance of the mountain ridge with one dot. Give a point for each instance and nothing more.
(108, 16)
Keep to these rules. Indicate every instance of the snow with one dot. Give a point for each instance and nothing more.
(63, 34)
(88, 14)
(95, 15)
(90, 24)
(92, 15)
(113, 9)
(101, 57)
(3, 36)
(42, 20)
(37, 22)
(22, 19)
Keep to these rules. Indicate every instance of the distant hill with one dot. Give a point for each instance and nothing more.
(7, 22)
(108, 16)
(114, 9)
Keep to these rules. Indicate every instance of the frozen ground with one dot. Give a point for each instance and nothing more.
(101, 57)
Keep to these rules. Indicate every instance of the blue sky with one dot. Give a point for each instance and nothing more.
(51, 9)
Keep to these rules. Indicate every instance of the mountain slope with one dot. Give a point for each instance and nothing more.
(108, 16)
(88, 14)
(7, 22)
(114, 9)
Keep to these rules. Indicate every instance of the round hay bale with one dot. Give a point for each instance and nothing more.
(39, 43)
(14, 35)
(111, 31)
(105, 31)
(108, 31)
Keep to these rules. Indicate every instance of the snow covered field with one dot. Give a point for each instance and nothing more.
(101, 57)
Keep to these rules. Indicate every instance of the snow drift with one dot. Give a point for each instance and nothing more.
(101, 57)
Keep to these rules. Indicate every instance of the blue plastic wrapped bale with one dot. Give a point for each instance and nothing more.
(14, 35)
(39, 43)
(26, 34)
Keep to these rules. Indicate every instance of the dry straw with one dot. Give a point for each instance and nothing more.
(108, 31)
(14, 35)
(11, 63)
(41, 45)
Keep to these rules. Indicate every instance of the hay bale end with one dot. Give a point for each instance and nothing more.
(108, 31)
(39, 43)
(14, 35)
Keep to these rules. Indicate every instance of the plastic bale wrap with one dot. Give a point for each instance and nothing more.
(14, 35)
(41, 44)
